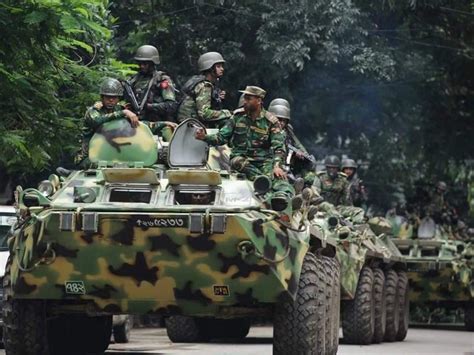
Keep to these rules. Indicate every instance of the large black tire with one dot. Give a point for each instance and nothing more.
(358, 314)
(333, 304)
(225, 328)
(469, 318)
(24, 322)
(298, 326)
(122, 332)
(403, 306)
(379, 305)
(184, 329)
(393, 315)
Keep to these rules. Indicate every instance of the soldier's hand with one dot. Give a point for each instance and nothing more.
(222, 95)
(200, 134)
(131, 117)
(171, 124)
(279, 173)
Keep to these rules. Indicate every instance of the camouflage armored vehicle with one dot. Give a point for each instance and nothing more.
(374, 285)
(195, 245)
(440, 271)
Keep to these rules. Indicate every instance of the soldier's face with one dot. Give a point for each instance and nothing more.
(348, 171)
(252, 103)
(145, 67)
(110, 101)
(219, 70)
(332, 171)
(283, 122)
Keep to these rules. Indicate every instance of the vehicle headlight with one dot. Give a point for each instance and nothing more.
(46, 188)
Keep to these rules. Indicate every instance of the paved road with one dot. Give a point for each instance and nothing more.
(418, 341)
(259, 341)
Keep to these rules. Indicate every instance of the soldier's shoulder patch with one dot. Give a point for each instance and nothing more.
(271, 117)
(239, 111)
(98, 105)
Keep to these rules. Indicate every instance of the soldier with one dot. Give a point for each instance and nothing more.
(304, 164)
(257, 145)
(357, 190)
(154, 90)
(203, 98)
(437, 204)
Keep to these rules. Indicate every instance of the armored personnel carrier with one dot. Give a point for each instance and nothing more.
(195, 245)
(374, 284)
(440, 271)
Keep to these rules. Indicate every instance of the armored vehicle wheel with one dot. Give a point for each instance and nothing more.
(333, 304)
(225, 328)
(298, 327)
(122, 331)
(469, 318)
(391, 295)
(379, 305)
(184, 329)
(403, 306)
(358, 314)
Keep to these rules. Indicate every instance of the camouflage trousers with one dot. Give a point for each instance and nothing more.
(160, 129)
(354, 214)
(252, 169)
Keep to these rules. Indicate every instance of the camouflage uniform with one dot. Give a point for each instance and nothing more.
(200, 103)
(357, 191)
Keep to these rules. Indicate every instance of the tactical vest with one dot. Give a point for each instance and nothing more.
(190, 95)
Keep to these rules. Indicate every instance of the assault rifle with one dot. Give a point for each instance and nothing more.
(130, 95)
(306, 156)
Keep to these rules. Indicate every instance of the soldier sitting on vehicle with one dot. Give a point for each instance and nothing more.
(152, 90)
(301, 163)
(106, 110)
(357, 191)
(257, 145)
(203, 98)
(333, 187)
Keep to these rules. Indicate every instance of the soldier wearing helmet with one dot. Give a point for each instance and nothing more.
(203, 99)
(153, 89)
(437, 206)
(357, 190)
(332, 184)
(303, 165)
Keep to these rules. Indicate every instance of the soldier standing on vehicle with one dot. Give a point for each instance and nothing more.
(203, 97)
(258, 146)
(304, 163)
(154, 91)
(357, 190)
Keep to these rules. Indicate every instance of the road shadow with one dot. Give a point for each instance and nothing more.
(247, 340)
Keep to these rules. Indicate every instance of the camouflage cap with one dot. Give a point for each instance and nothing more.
(254, 91)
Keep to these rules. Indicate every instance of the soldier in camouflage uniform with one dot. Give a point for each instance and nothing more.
(109, 109)
(357, 190)
(258, 146)
(332, 185)
(203, 99)
(301, 166)
(153, 89)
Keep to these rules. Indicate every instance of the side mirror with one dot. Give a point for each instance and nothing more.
(31, 200)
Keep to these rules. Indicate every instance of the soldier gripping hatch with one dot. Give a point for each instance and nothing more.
(153, 90)
(302, 163)
(257, 144)
(203, 98)
(357, 190)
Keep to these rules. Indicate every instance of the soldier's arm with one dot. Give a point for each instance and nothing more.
(277, 139)
(317, 184)
(93, 118)
(346, 199)
(203, 104)
(223, 136)
(168, 104)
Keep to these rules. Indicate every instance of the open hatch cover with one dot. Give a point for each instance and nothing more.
(185, 151)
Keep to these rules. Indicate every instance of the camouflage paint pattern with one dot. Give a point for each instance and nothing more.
(152, 255)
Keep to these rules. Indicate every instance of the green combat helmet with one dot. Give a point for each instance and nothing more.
(280, 111)
(280, 102)
(332, 161)
(111, 87)
(207, 60)
(147, 53)
(348, 163)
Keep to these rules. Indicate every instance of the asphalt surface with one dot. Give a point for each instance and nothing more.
(259, 341)
(418, 341)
